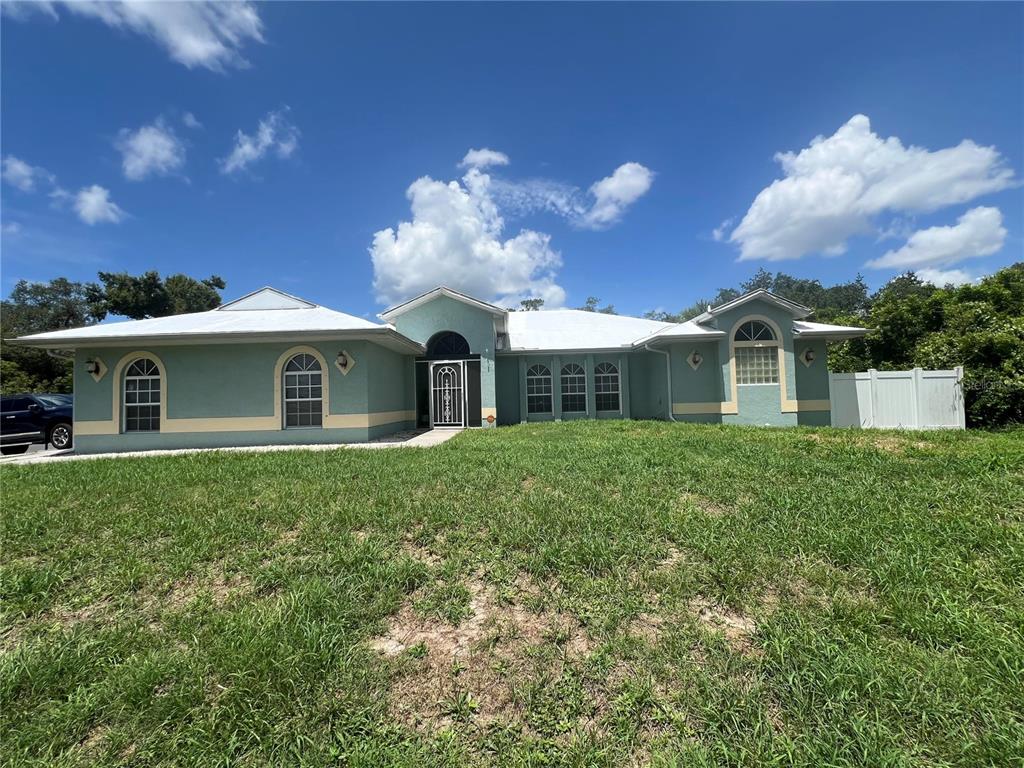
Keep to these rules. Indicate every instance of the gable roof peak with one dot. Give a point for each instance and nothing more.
(266, 298)
(441, 290)
(797, 311)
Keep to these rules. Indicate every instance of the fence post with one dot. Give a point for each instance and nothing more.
(873, 395)
(916, 378)
(960, 398)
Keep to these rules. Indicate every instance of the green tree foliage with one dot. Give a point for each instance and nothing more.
(61, 303)
(531, 305)
(591, 305)
(148, 295)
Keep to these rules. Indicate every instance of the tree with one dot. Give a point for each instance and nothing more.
(531, 305)
(37, 308)
(61, 303)
(148, 295)
(590, 305)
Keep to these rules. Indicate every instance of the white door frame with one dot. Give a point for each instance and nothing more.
(461, 365)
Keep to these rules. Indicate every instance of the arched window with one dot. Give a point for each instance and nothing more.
(447, 344)
(754, 330)
(756, 354)
(142, 396)
(303, 392)
(538, 389)
(606, 387)
(574, 389)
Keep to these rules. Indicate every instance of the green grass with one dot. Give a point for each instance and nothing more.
(623, 592)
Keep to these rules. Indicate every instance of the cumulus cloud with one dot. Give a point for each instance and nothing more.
(94, 206)
(152, 150)
(482, 158)
(943, 277)
(833, 189)
(614, 194)
(457, 233)
(196, 34)
(191, 121)
(456, 238)
(24, 176)
(979, 232)
(275, 133)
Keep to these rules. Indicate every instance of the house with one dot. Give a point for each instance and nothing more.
(272, 368)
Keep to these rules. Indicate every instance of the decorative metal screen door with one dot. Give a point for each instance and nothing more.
(447, 397)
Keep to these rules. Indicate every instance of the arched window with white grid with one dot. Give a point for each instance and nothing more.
(574, 388)
(606, 387)
(303, 392)
(142, 396)
(538, 389)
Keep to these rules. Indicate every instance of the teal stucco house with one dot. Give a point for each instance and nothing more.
(272, 368)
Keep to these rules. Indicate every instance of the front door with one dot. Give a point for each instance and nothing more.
(447, 403)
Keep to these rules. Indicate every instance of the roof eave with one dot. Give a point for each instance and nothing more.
(246, 337)
(844, 335)
(443, 290)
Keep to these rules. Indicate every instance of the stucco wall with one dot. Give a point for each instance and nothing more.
(228, 394)
(475, 325)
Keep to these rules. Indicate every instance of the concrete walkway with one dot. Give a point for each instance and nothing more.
(411, 439)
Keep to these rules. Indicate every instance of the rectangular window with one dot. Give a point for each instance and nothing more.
(538, 390)
(574, 389)
(757, 365)
(606, 387)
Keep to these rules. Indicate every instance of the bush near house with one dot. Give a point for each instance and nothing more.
(589, 593)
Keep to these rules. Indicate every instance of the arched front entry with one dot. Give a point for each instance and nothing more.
(448, 383)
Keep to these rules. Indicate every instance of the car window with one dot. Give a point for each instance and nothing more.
(15, 403)
(53, 401)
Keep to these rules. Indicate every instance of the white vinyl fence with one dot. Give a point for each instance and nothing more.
(914, 399)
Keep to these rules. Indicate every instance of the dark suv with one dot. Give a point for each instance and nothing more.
(27, 419)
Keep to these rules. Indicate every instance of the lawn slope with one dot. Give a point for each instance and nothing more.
(606, 593)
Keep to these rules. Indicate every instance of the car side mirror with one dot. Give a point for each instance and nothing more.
(34, 408)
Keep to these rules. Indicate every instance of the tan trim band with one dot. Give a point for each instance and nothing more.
(730, 409)
(252, 423)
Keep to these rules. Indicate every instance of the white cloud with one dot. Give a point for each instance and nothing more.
(11, 228)
(150, 150)
(833, 188)
(979, 232)
(614, 194)
(93, 206)
(943, 277)
(455, 238)
(24, 176)
(191, 121)
(196, 34)
(719, 232)
(482, 158)
(603, 205)
(274, 133)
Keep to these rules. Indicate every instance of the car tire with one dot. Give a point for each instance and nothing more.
(9, 450)
(60, 436)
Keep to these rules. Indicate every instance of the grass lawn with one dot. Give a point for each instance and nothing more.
(607, 593)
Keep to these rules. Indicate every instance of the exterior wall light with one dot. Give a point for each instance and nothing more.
(344, 362)
(695, 359)
(808, 357)
(95, 368)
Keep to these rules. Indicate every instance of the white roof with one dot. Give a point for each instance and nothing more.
(575, 329)
(805, 330)
(796, 310)
(263, 313)
(689, 330)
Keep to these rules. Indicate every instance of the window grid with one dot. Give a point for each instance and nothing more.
(754, 330)
(538, 389)
(606, 387)
(757, 365)
(142, 397)
(574, 389)
(303, 392)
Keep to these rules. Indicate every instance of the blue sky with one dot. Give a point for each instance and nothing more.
(635, 150)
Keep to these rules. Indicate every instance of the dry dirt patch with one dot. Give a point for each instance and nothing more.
(445, 673)
(705, 505)
(737, 628)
